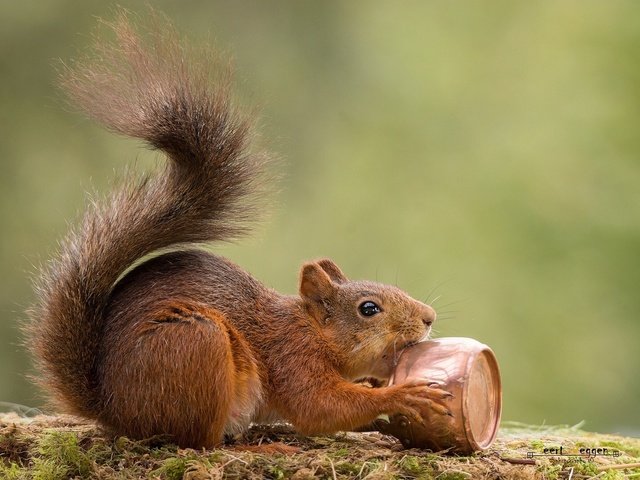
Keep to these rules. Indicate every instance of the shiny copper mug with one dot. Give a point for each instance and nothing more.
(469, 370)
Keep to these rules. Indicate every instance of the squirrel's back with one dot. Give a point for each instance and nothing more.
(210, 190)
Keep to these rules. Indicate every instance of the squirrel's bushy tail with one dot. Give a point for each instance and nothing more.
(177, 100)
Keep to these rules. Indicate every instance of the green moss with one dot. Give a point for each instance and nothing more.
(417, 467)
(60, 451)
(217, 457)
(411, 464)
(276, 472)
(627, 448)
(100, 453)
(173, 468)
(581, 467)
(536, 445)
(369, 466)
(613, 475)
(46, 469)
(431, 459)
(452, 476)
(12, 472)
(34, 452)
(550, 471)
(340, 453)
(348, 468)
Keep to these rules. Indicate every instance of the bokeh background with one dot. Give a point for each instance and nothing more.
(485, 154)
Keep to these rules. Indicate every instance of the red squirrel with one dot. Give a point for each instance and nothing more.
(185, 343)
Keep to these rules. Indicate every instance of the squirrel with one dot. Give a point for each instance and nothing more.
(138, 328)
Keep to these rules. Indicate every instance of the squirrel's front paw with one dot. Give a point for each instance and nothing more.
(418, 397)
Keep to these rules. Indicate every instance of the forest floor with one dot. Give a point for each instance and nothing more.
(62, 447)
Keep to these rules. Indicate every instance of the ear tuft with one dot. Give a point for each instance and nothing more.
(334, 272)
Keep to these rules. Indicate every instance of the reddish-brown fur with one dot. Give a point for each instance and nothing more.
(187, 343)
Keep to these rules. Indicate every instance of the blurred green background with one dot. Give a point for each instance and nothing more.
(487, 152)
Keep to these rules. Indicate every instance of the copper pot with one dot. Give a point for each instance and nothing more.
(469, 370)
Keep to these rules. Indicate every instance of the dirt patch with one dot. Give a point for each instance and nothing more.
(61, 447)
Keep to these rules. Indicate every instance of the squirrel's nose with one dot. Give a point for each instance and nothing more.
(429, 316)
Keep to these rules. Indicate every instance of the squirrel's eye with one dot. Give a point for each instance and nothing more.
(368, 309)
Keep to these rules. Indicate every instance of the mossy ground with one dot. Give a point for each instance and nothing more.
(52, 448)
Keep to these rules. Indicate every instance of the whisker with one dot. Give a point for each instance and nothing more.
(426, 300)
(435, 299)
(451, 303)
(435, 288)
(445, 312)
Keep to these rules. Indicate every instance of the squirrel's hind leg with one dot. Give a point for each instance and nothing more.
(183, 371)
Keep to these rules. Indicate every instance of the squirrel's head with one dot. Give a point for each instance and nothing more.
(370, 323)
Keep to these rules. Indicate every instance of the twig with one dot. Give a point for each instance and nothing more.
(519, 461)
(619, 466)
(333, 469)
(364, 464)
(233, 459)
(597, 476)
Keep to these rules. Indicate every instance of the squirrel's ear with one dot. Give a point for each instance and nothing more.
(316, 289)
(315, 283)
(332, 270)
